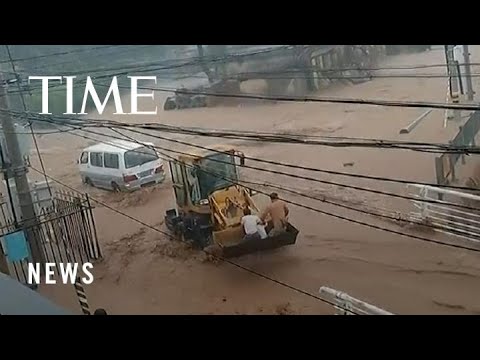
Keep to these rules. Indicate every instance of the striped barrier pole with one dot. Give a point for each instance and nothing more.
(82, 296)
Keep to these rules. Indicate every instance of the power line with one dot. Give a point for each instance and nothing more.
(330, 100)
(61, 53)
(311, 169)
(288, 74)
(187, 62)
(331, 172)
(406, 104)
(40, 158)
(298, 139)
(379, 192)
(241, 182)
(107, 53)
(241, 266)
(234, 56)
(311, 208)
(251, 271)
(346, 174)
(283, 98)
(267, 137)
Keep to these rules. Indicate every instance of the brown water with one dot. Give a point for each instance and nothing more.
(143, 273)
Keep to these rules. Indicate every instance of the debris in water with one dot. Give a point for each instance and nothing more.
(284, 309)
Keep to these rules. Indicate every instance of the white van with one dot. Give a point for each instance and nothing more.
(121, 166)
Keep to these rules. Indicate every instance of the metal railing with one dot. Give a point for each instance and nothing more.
(66, 230)
(445, 164)
(444, 217)
(348, 305)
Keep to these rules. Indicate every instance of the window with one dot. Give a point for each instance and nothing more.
(84, 158)
(216, 172)
(110, 161)
(139, 156)
(96, 159)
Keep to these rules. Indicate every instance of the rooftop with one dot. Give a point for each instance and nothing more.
(115, 146)
(17, 299)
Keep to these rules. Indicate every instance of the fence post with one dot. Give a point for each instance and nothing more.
(439, 172)
(95, 242)
(451, 163)
(464, 143)
(3, 263)
(82, 297)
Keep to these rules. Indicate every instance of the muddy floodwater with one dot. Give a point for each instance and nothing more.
(144, 273)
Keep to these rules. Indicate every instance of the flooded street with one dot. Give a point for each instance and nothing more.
(145, 273)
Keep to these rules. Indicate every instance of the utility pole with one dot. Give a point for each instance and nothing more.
(19, 171)
(203, 64)
(453, 80)
(468, 73)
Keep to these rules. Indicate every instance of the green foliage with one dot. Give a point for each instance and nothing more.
(34, 60)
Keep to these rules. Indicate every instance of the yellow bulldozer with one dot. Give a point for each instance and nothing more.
(210, 203)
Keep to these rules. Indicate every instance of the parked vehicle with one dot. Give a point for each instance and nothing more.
(121, 166)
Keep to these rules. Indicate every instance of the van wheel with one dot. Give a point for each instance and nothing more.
(88, 182)
(115, 187)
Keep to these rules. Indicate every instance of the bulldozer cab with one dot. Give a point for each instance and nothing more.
(210, 203)
(195, 177)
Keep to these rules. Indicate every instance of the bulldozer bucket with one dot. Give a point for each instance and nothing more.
(244, 247)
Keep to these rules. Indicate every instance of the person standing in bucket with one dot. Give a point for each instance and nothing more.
(278, 212)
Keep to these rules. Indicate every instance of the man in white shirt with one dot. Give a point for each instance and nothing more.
(251, 224)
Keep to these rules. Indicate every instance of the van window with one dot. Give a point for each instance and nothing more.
(139, 156)
(84, 158)
(110, 161)
(96, 159)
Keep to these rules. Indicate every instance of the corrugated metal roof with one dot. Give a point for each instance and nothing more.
(17, 299)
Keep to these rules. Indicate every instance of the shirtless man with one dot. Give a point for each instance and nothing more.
(278, 212)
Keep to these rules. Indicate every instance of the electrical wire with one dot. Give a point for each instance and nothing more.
(322, 199)
(318, 170)
(228, 261)
(190, 62)
(355, 175)
(299, 140)
(283, 98)
(116, 53)
(265, 137)
(61, 53)
(296, 176)
(315, 209)
(329, 100)
(303, 99)
(234, 56)
(40, 158)
(378, 192)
